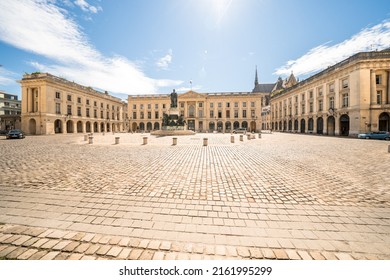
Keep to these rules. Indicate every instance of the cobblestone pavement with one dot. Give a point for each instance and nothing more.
(284, 196)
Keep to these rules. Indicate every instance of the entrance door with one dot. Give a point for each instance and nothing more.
(384, 122)
(344, 125)
(331, 126)
(191, 125)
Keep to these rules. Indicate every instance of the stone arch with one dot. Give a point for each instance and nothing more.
(57, 126)
(79, 127)
(32, 126)
(69, 126)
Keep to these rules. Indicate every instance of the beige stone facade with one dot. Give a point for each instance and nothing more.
(202, 112)
(54, 105)
(349, 98)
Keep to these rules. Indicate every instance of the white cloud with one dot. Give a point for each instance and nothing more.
(164, 61)
(319, 58)
(87, 7)
(6, 77)
(40, 27)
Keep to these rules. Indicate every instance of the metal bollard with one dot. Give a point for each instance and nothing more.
(249, 136)
(85, 137)
(241, 137)
(205, 141)
(232, 139)
(174, 141)
(259, 135)
(90, 140)
(117, 140)
(145, 140)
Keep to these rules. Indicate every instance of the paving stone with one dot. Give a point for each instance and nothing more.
(27, 254)
(71, 246)
(114, 251)
(50, 255)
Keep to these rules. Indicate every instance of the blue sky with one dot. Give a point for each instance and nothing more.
(154, 46)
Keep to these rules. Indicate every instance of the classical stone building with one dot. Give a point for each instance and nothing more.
(203, 112)
(10, 110)
(54, 105)
(350, 97)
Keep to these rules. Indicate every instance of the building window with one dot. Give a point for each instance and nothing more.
(69, 97)
(331, 102)
(227, 113)
(149, 106)
(320, 91)
(58, 95)
(244, 104)
(244, 113)
(331, 88)
(320, 105)
(227, 104)
(134, 115)
(345, 100)
(303, 109)
(113, 115)
(236, 114)
(252, 104)
(311, 107)
(182, 113)
(378, 79)
(211, 114)
(253, 114)
(155, 106)
(303, 97)
(219, 114)
(181, 104)
(134, 106)
(95, 113)
(219, 104)
(78, 99)
(69, 110)
(200, 104)
(310, 94)
(164, 106)
(87, 101)
(344, 83)
(58, 108)
(149, 115)
(200, 113)
(379, 97)
(108, 115)
(236, 104)
(296, 110)
(296, 99)
(141, 106)
(95, 103)
(101, 115)
(101, 105)
(211, 105)
(87, 112)
(79, 111)
(141, 115)
(156, 115)
(108, 107)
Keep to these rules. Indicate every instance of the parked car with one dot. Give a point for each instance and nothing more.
(15, 134)
(3, 132)
(383, 135)
(239, 130)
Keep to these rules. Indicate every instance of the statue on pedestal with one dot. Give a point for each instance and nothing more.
(173, 99)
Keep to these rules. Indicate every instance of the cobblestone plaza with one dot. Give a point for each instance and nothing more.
(284, 196)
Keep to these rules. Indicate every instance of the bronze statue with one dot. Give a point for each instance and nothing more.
(173, 99)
